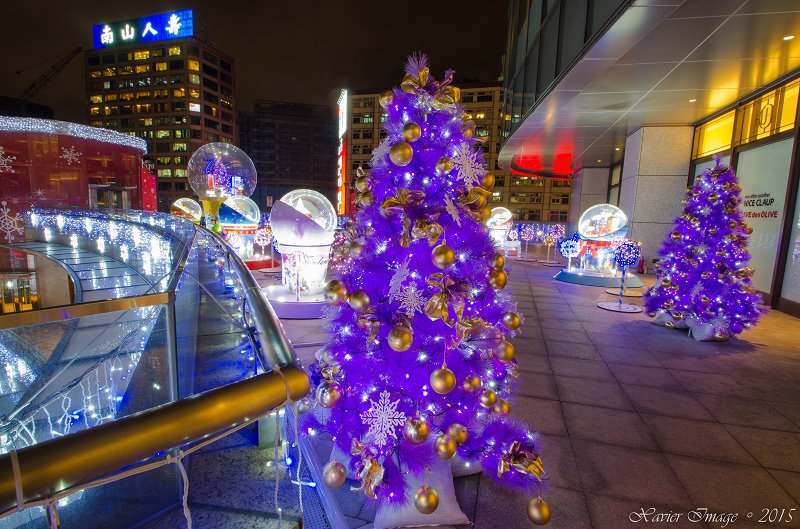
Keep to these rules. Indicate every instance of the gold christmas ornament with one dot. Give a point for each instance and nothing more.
(457, 432)
(676, 236)
(401, 153)
(669, 325)
(443, 380)
(538, 511)
(416, 431)
(498, 279)
(712, 230)
(329, 393)
(488, 398)
(445, 447)
(501, 407)
(362, 183)
(471, 383)
(485, 213)
(468, 128)
(651, 314)
(355, 249)
(749, 230)
(304, 405)
(335, 292)
(705, 275)
(498, 261)
(512, 321)
(400, 338)
(426, 500)
(720, 337)
(386, 98)
(732, 224)
(444, 165)
(506, 352)
(488, 181)
(334, 474)
(443, 256)
(713, 197)
(366, 198)
(704, 299)
(411, 132)
(359, 300)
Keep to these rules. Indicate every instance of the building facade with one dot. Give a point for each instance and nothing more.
(293, 146)
(172, 90)
(528, 196)
(639, 98)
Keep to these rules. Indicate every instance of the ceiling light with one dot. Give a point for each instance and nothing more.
(692, 100)
(788, 37)
(616, 148)
(598, 161)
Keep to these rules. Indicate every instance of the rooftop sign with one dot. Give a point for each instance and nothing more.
(174, 25)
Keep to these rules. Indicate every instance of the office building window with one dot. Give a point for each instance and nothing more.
(174, 50)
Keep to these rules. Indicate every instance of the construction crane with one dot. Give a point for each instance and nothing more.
(50, 74)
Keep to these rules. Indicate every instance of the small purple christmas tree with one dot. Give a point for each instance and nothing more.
(703, 280)
(419, 366)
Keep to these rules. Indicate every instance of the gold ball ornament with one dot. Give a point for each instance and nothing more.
(445, 447)
(366, 198)
(411, 132)
(498, 279)
(443, 380)
(400, 338)
(471, 383)
(329, 393)
(720, 337)
(506, 352)
(457, 432)
(334, 474)
(488, 181)
(512, 321)
(732, 224)
(485, 213)
(749, 230)
(362, 183)
(359, 300)
(676, 236)
(538, 511)
(498, 261)
(713, 197)
(416, 431)
(386, 98)
(444, 165)
(443, 256)
(426, 500)
(669, 325)
(335, 292)
(712, 230)
(304, 405)
(501, 407)
(651, 314)
(468, 128)
(705, 300)
(355, 249)
(488, 398)
(401, 153)
(705, 275)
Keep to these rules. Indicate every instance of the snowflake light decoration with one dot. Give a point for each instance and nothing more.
(10, 225)
(383, 419)
(379, 153)
(468, 164)
(70, 155)
(5, 161)
(411, 299)
(38, 193)
(398, 279)
(452, 209)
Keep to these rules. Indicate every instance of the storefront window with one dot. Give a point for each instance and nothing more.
(791, 276)
(714, 136)
(699, 168)
(770, 114)
(764, 173)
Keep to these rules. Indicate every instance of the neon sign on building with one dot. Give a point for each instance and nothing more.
(341, 178)
(174, 25)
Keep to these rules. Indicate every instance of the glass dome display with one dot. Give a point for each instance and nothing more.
(187, 208)
(602, 222)
(221, 170)
(313, 205)
(239, 211)
(500, 219)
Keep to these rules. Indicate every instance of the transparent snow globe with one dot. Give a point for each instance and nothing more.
(602, 222)
(187, 208)
(239, 211)
(221, 170)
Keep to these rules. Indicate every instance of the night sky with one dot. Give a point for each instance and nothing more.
(291, 50)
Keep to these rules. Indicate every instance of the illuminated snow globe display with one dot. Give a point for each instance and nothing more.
(500, 222)
(303, 223)
(239, 218)
(187, 208)
(599, 228)
(217, 171)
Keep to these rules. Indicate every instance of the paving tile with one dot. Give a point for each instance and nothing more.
(666, 402)
(605, 327)
(579, 337)
(615, 513)
(727, 487)
(539, 385)
(534, 363)
(627, 473)
(627, 355)
(499, 508)
(611, 340)
(657, 377)
(540, 414)
(559, 462)
(773, 449)
(618, 427)
(788, 410)
(524, 345)
(574, 350)
(745, 412)
(561, 324)
(688, 437)
(578, 367)
(714, 383)
(593, 392)
(790, 481)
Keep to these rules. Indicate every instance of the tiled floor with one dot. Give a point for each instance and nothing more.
(635, 416)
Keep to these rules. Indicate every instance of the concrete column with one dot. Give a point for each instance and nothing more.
(654, 176)
(589, 187)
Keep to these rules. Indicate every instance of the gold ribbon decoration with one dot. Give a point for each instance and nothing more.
(442, 94)
(368, 321)
(405, 238)
(424, 228)
(401, 200)
(370, 472)
(451, 293)
(469, 199)
(477, 337)
(523, 461)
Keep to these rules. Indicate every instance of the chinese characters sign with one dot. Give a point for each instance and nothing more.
(175, 25)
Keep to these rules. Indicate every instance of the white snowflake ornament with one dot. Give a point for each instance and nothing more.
(383, 419)
(398, 279)
(468, 165)
(379, 153)
(70, 155)
(411, 299)
(10, 225)
(452, 209)
(5, 161)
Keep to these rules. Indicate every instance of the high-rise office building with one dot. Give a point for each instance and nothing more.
(154, 79)
(529, 197)
(292, 145)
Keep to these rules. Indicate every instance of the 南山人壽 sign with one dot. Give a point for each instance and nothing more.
(165, 26)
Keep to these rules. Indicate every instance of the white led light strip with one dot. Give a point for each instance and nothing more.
(48, 126)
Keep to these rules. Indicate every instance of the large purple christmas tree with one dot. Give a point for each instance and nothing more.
(419, 367)
(703, 280)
